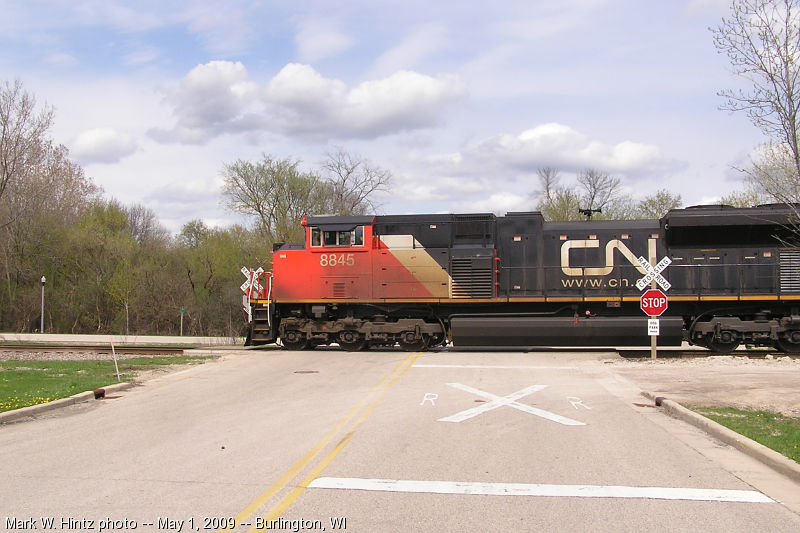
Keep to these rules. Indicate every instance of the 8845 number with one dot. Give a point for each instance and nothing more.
(332, 260)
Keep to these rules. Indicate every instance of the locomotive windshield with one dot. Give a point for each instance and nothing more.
(337, 237)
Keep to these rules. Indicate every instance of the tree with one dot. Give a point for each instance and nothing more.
(274, 192)
(596, 190)
(762, 41)
(599, 189)
(353, 181)
(90, 261)
(556, 202)
(211, 259)
(770, 177)
(656, 205)
(22, 133)
(144, 225)
(42, 193)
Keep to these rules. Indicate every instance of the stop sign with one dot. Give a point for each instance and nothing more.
(653, 302)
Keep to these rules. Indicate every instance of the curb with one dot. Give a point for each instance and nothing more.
(770, 457)
(33, 410)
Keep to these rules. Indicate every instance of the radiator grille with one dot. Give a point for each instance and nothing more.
(790, 271)
(470, 282)
(339, 290)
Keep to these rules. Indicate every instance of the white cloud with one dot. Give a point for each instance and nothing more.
(102, 145)
(560, 146)
(211, 99)
(303, 89)
(218, 97)
(312, 105)
(318, 39)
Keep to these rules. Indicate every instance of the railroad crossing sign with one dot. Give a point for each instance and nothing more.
(252, 280)
(653, 273)
(653, 302)
(248, 287)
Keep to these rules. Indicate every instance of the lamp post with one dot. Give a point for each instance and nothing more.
(41, 323)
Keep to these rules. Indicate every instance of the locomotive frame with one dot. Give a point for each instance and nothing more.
(516, 280)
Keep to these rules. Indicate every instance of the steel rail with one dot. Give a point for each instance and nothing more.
(95, 348)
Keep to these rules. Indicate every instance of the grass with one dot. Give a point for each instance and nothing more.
(774, 430)
(25, 383)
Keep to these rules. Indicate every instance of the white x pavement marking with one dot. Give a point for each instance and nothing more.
(509, 400)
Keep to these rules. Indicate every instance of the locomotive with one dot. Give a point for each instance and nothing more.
(516, 280)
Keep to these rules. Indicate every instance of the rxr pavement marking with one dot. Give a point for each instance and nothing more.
(510, 401)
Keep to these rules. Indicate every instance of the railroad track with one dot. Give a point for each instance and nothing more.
(94, 348)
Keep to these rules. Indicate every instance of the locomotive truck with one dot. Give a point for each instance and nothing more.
(516, 280)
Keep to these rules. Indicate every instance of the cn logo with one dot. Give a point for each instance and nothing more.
(613, 244)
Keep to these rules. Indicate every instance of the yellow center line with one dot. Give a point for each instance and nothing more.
(306, 459)
(295, 493)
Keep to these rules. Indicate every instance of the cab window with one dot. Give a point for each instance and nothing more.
(357, 236)
(316, 237)
(320, 237)
(336, 238)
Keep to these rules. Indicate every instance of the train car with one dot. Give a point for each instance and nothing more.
(517, 280)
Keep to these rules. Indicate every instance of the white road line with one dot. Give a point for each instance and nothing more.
(498, 367)
(536, 489)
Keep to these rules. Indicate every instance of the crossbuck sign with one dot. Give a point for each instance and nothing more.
(653, 273)
(249, 287)
(252, 280)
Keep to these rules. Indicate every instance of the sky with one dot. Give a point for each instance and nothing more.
(461, 100)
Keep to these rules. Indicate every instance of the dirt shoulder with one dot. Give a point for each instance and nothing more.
(771, 384)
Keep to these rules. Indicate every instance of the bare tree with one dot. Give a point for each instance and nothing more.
(275, 192)
(762, 41)
(773, 173)
(556, 202)
(598, 191)
(22, 133)
(769, 177)
(354, 181)
(599, 188)
(549, 180)
(145, 226)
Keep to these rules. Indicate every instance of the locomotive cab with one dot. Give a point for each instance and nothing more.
(333, 262)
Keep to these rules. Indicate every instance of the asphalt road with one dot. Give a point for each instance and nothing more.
(383, 442)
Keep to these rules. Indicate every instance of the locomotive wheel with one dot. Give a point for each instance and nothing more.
(351, 342)
(410, 343)
(723, 347)
(727, 342)
(353, 346)
(294, 340)
(787, 346)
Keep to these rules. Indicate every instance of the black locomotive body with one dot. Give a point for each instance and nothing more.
(516, 280)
